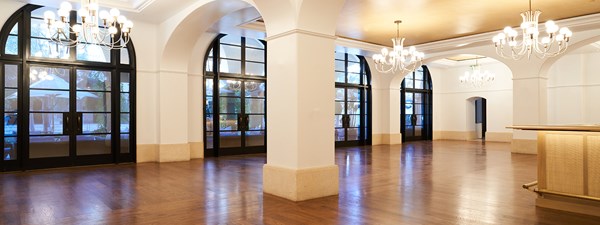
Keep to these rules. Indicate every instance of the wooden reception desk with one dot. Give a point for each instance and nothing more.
(568, 168)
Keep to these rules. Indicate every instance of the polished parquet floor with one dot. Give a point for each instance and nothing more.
(440, 182)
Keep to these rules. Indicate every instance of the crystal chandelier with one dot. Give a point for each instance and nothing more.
(398, 59)
(105, 28)
(555, 43)
(475, 77)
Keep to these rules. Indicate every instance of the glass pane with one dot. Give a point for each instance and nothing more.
(354, 120)
(48, 78)
(91, 80)
(418, 131)
(11, 75)
(254, 88)
(338, 121)
(49, 101)
(255, 55)
(230, 105)
(10, 124)
(353, 108)
(251, 42)
(340, 66)
(230, 66)
(39, 28)
(228, 122)
(408, 97)
(353, 134)
(43, 48)
(255, 138)
(230, 88)
(340, 55)
(12, 45)
(409, 83)
(208, 87)
(231, 52)
(353, 95)
(208, 107)
(339, 108)
(45, 123)
(418, 98)
(125, 143)
(340, 134)
(353, 67)
(232, 39)
(208, 66)
(420, 120)
(409, 132)
(418, 84)
(48, 146)
(408, 108)
(353, 58)
(354, 78)
(340, 94)
(340, 77)
(230, 139)
(209, 140)
(93, 101)
(255, 105)
(255, 69)
(15, 29)
(93, 53)
(10, 148)
(125, 81)
(124, 56)
(125, 103)
(209, 122)
(124, 123)
(93, 144)
(10, 100)
(94, 123)
(418, 75)
(256, 122)
(407, 120)
(418, 109)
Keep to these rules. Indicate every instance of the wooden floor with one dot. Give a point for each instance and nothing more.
(441, 182)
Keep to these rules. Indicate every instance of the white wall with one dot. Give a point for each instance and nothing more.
(450, 99)
(574, 88)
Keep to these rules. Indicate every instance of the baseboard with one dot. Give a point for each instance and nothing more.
(454, 135)
(147, 153)
(196, 150)
(174, 152)
(499, 136)
(386, 139)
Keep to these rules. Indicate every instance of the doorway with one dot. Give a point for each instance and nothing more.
(416, 106)
(480, 117)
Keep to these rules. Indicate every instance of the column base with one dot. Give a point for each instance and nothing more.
(301, 184)
(174, 152)
(387, 139)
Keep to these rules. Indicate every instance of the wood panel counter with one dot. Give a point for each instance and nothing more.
(568, 167)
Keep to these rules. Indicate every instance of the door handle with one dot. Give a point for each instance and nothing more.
(67, 124)
(413, 120)
(79, 124)
(247, 122)
(240, 123)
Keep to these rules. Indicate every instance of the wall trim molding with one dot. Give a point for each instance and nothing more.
(530, 78)
(574, 85)
(479, 91)
(300, 31)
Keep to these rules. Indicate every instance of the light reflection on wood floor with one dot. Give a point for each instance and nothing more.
(441, 182)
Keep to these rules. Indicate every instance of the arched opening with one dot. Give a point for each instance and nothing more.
(352, 100)
(416, 110)
(68, 106)
(235, 82)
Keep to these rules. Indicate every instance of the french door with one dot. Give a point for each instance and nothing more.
(66, 116)
(416, 107)
(349, 116)
(238, 124)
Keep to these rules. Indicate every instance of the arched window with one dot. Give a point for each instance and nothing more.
(63, 106)
(416, 108)
(352, 100)
(235, 96)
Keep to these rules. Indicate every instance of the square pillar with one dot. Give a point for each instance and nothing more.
(300, 141)
(530, 97)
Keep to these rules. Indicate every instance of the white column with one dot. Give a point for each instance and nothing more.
(300, 95)
(173, 116)
(530, 101)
